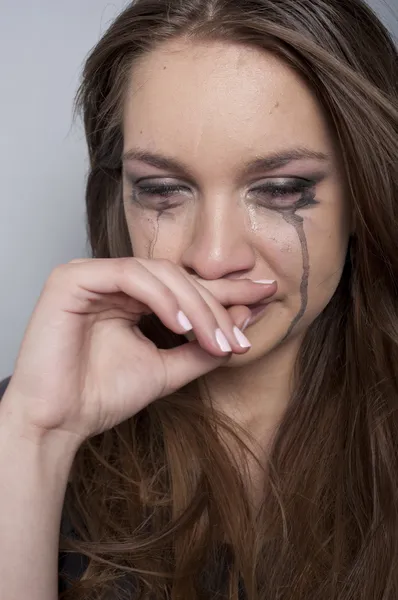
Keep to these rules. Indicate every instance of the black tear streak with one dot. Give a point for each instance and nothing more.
(155, 236)
(298, 223)
(154, 240)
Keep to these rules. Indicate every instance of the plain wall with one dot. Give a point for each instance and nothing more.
(43, 160)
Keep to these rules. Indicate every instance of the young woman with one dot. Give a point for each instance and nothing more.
(209, 403)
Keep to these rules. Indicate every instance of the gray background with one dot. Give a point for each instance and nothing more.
(43, 158)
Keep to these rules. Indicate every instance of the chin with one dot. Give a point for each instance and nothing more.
(265, 334)
(254, 354)
(268, 341)
(263, 343)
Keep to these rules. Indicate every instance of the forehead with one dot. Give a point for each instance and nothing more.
(214, 102)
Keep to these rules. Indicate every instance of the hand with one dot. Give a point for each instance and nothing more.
(84, 366)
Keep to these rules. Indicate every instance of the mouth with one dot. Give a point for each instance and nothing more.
(257, 311)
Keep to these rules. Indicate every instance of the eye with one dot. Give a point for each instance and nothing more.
(286, 193)
(277, 194)
(164, 191)
(157, 196)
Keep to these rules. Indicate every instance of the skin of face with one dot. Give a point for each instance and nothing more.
(214, 108)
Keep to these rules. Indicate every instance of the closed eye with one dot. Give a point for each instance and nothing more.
(286, 194)
(164, 191)
(277, 194)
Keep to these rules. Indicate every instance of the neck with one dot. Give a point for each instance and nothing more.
(256, 397)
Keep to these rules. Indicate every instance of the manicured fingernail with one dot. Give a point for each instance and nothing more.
(184, 321)
(242, 339)
(265, 281)
(246, 323)
(222, 341)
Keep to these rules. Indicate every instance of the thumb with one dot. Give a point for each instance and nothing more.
(185, 363)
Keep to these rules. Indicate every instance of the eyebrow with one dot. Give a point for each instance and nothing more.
(258, 163)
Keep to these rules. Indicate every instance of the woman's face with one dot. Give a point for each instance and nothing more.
(257, 192)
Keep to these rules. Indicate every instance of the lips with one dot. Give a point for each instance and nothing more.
(259, 304)
(257, 310)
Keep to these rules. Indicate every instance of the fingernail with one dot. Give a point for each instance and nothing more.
(242, 339)
(184, 321)
(246, 323)
(222, 341)
(265, 281)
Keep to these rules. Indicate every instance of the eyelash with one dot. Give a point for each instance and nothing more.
(294, 187)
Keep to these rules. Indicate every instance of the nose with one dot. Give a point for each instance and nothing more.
(219, 244)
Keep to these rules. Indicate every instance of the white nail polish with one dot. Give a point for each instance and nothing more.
(246, 323)
(242, 339)
(222, 341)
(265, 281)
(184, 321)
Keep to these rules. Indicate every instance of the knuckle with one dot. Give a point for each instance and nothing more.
(220, 311)
(169, 297)
(124, 265)
(59, 272)
(58, 275)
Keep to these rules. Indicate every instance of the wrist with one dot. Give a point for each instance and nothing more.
(15, 427)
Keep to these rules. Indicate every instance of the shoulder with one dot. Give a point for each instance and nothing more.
(3, 386)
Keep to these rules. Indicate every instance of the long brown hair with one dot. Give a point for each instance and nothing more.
(152, 499)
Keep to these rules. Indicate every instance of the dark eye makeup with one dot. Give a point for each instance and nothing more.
(284, 193)
(278, 193)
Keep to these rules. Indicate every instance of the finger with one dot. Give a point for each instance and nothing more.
(185, 363)
(240, 315)
(146, 285)
(120, 300)
(236, 291)
(224, 318)
(210, 320)
(81, 286)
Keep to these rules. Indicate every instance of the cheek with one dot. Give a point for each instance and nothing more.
(155, 236)
(313, 257)
(327, 258)
(327, 252)
(279, 247)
